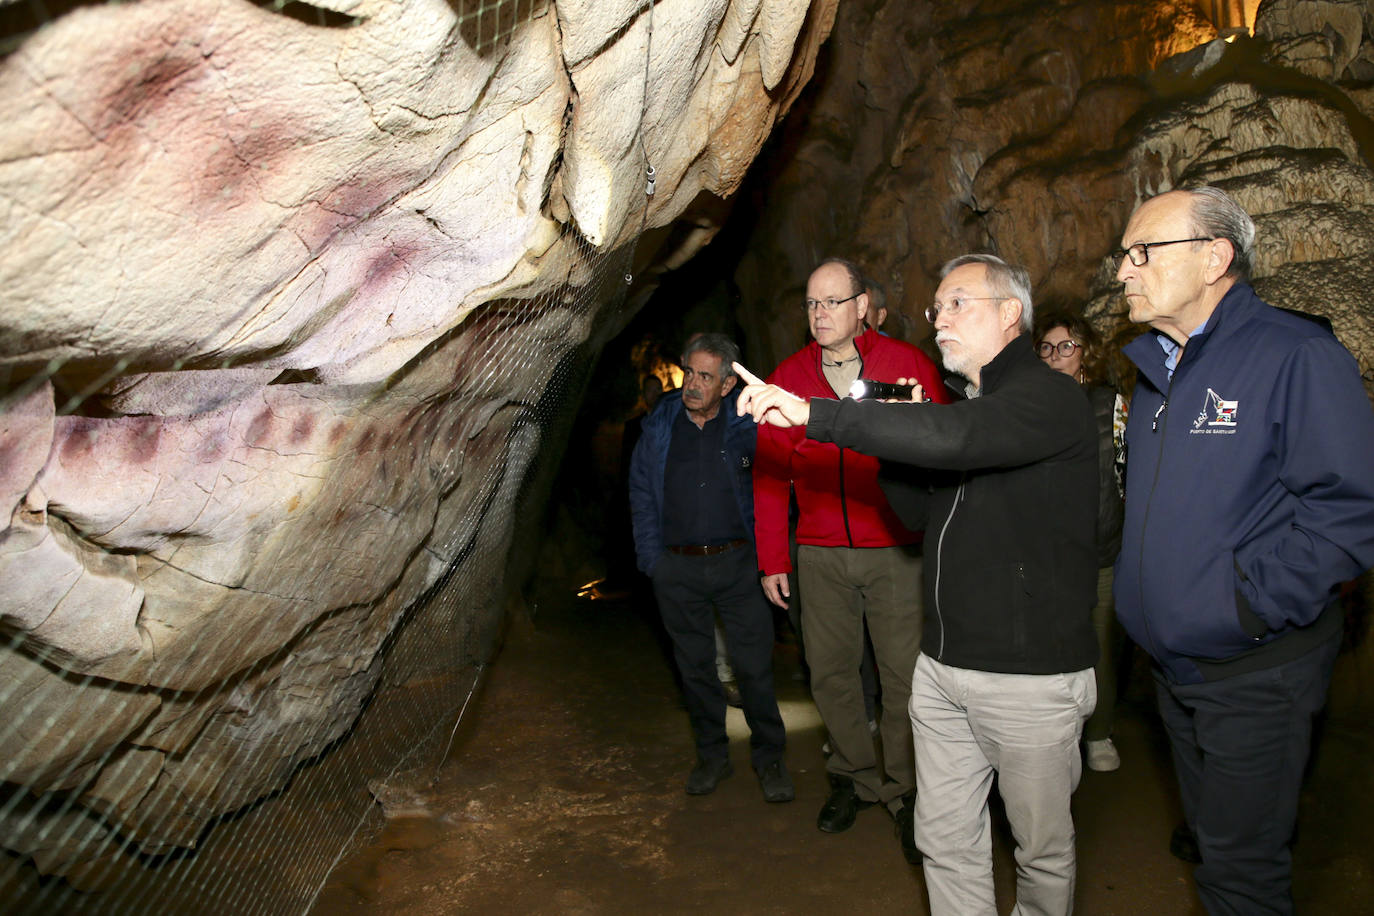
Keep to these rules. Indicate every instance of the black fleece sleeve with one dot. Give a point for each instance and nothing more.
(1013, 426)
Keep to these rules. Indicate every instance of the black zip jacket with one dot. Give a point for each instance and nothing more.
(1110, 507)
(1010, 557)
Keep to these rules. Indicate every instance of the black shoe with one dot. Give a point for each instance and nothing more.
(905, 816)
(732, 694)
(838, 813)
(1183, 845)
(707, 774)
(776, 783)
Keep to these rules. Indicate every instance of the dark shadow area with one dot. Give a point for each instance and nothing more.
(22, 18)
(487, 25)
(309, 14)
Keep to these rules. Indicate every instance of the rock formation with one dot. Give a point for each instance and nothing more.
(286, 304)
(1034, 132)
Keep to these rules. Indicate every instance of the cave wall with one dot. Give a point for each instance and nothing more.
(285, 305)
(1034, 130)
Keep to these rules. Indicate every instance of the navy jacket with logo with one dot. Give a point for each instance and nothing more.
(650, 459)
(1249, 492)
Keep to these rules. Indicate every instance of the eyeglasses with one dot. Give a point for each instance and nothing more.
(828, 304)
(1139, 253)
(955, 306)
(1065, 348)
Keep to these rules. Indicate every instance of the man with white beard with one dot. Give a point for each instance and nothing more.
(1004, 680)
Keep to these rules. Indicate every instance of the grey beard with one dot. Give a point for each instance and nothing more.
(955, 364)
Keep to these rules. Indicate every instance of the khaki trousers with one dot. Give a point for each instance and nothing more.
(840, 588)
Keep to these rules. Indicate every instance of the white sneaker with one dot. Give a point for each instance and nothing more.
(1102, 755)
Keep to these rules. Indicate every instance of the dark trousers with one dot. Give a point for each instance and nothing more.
(1110, 639)
(1240, 747)
(690, 591)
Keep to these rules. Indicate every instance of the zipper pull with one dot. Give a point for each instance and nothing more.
(1154, 423)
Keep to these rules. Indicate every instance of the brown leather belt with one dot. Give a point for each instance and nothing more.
(710, 550)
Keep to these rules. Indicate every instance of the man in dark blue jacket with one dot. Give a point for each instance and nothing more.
(692, 506)
(1249, 499)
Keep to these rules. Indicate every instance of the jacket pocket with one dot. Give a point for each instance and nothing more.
(1250, 622)
(992, 607)
(1202, 616)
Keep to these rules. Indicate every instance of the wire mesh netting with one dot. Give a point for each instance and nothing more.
(249, 590)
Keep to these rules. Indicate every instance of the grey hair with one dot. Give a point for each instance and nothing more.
(1006, 280)
(1217, 215)
(716, 345)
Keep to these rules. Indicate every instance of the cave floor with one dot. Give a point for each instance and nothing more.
(563, 794)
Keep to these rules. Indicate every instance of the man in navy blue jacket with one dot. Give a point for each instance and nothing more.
(692, 507)
(1249, 499)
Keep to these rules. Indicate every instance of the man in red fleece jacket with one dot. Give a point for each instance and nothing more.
(855, 559)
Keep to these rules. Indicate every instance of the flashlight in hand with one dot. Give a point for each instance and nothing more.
(868, 389)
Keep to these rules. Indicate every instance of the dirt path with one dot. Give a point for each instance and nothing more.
(564, 795)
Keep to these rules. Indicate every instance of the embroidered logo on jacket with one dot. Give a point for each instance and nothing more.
(1218, 415)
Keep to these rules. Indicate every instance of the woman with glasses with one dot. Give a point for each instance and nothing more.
(1070, 345)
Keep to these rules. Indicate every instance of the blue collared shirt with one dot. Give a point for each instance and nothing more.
(1173, 350)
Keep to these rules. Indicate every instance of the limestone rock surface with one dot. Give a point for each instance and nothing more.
(286, 302)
